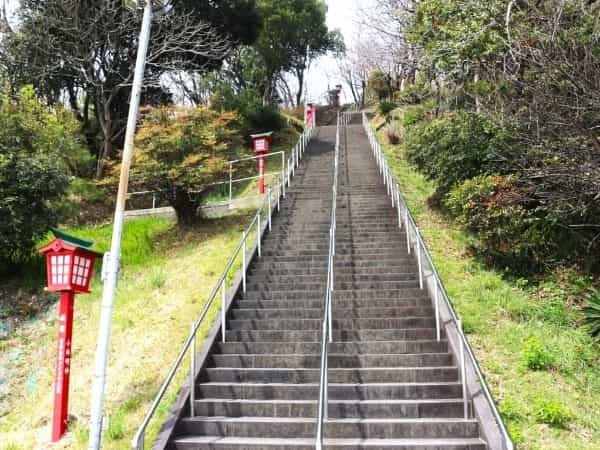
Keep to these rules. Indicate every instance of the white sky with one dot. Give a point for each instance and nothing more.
(342, 14)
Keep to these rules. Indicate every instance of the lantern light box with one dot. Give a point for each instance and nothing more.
(69, 263)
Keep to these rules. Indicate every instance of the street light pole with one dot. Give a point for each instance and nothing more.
(111, 269)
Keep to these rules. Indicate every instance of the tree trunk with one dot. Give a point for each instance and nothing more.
(184, 207)
(300, 76)
(107, 125)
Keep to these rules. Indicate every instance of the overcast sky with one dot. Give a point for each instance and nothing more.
(342, 14)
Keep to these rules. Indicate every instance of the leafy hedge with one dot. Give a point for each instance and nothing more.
(452, 148)
(40, 150)
(513, 232)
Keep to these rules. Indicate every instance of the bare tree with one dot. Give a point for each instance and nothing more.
(384, 42)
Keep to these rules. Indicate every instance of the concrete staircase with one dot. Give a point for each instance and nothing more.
(391, 383)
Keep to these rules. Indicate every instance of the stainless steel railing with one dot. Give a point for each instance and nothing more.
(327, 326)
(427, 269)
(262, 222)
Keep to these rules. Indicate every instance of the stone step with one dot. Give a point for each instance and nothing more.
(343, 294)
(316, 313)
(312, 270)
(335, 375)
(380, 323)
(337, 304)
(338, 335)
(239, 443)
(339, 277)
(272, 286)
(363, 391)
(334, 428)
(341, 261)
(451, 407)
(365, 347)
(335, 360)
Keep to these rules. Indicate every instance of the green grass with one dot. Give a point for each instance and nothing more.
(166, 277)
(548, 391)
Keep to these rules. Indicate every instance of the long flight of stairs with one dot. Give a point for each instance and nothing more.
(392, 385)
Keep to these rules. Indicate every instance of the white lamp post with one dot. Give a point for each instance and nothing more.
(111, 262)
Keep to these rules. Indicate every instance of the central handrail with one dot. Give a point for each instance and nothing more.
(327, 325)
(422, 252)
(262, 221)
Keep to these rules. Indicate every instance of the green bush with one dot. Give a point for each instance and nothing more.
(453, 148)
(591, 313)
(256, 117)
(264, 118)
(418, 113)
(552, 412)
(414, 94)
(39, 150)
(386, 107)
(537, 356)
(511, 232)
(116, 426)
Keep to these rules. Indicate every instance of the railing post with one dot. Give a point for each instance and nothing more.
(437, 308)
(223, 307)
(399, 207)
(244, 261)
(269, 206)
(463, 369)
(230, 182)
(258, 234)
(419, 262)
(193, 372)
(153, 201)
(289, 178)
(407, 229)
(281, 188)
(283, 172)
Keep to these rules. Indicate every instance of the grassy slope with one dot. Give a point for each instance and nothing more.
(167, 275)
(500, 316)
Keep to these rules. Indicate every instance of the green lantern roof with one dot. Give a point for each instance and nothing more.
(70, 239)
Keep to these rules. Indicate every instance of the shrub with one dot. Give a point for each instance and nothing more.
(452, 148)
(392, 134)
(38, 148)
(264, 118)
(185, 149)
(418, 113)
(255, 116)
(591, 314)
(512, 232)
(116, 426)
(386, 107)
(378, 85)
(536, 355)
(414, 94)
(552, 412)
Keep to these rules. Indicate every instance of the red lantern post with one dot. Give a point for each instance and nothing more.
(310, 115)
(69, 270)
(262, 146)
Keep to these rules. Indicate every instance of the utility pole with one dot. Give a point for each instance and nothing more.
(110, 270)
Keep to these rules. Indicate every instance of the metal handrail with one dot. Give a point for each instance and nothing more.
(327, 335)
(137, 442)
(398, 200)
